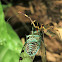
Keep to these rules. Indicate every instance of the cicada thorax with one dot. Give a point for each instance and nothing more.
(33, 43)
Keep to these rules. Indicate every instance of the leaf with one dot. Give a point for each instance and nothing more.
(10, 44)
(3, 30)
(8, 37)
(6, 55)
(14, 43)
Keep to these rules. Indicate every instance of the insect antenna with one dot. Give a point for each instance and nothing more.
(11, 17)
(24, 24)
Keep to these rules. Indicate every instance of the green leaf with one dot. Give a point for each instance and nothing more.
(8, 37)
(3, 30)
(10, 44)
(13, 41)
(6, 55)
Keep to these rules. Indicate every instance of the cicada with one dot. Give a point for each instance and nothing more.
(34, 41)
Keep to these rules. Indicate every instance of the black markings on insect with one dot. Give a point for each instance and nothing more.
(22, 51)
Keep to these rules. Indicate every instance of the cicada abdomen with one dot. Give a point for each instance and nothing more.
(32, 44)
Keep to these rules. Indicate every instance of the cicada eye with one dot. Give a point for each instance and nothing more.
(27, 37)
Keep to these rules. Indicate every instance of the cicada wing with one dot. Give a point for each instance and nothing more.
(43, 52)
(42, 47)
